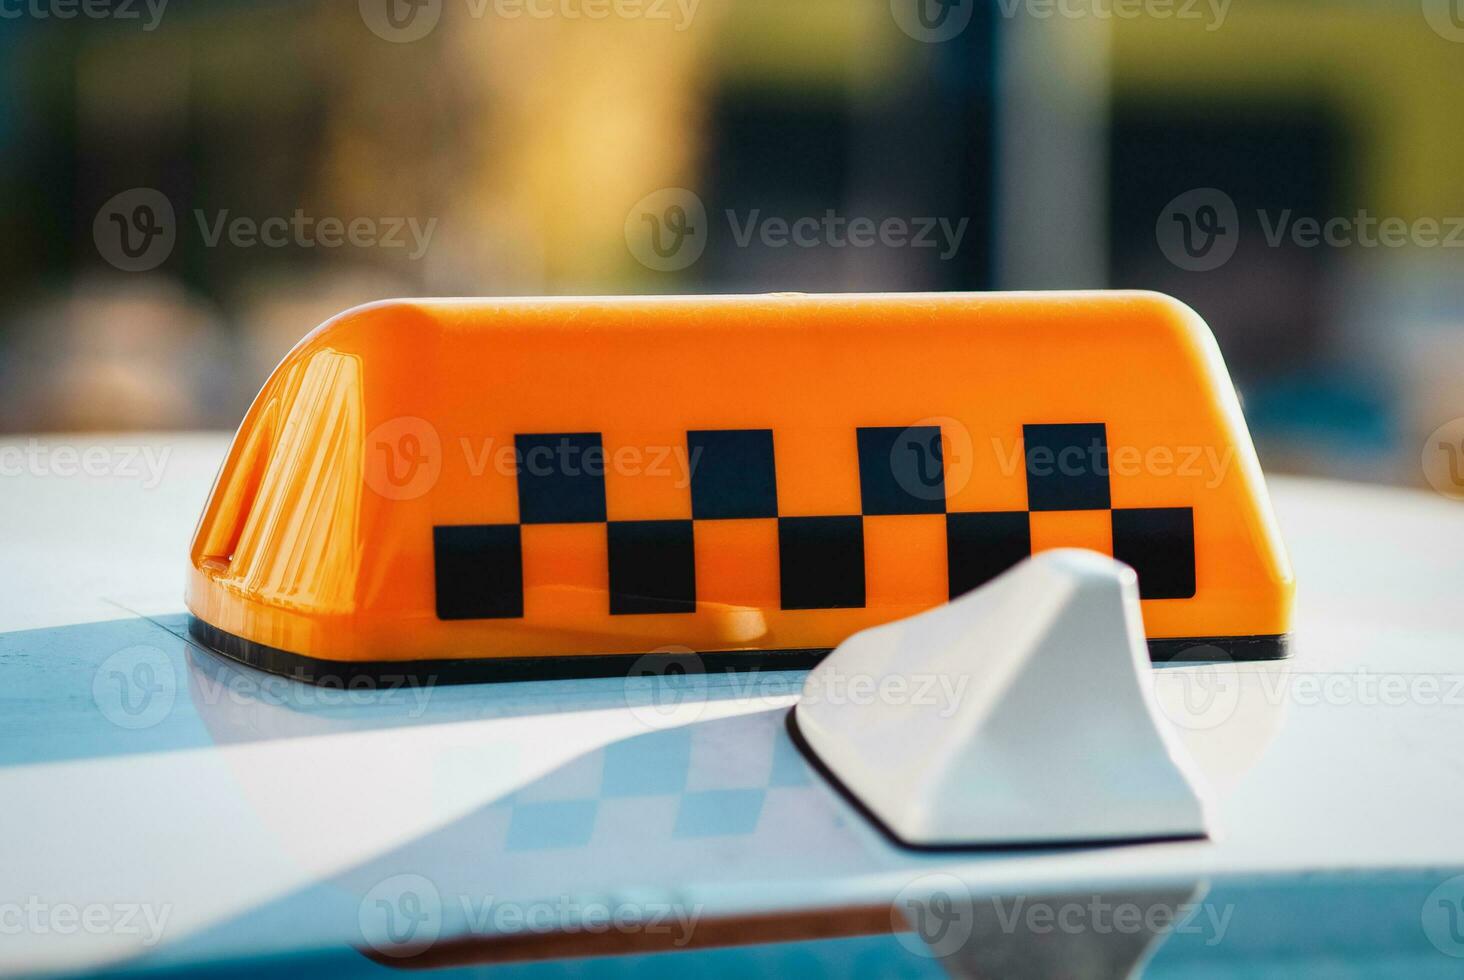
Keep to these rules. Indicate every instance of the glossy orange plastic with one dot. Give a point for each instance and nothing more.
(398, 418)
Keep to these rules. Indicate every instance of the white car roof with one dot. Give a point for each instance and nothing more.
(261, 814)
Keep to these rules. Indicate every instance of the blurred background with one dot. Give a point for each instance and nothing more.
(186, 190)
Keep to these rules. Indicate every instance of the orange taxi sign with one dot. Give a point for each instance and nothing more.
(478, 489)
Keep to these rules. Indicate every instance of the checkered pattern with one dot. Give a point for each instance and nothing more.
(821, 560)
(679, 783)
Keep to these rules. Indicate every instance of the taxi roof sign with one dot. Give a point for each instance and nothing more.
(493, 488)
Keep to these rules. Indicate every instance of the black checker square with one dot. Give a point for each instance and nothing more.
(652, 567)
(561, 478)
(478, 571)
(901, 470)
(1067, 466)
(982, 545)
(821, 562)
(732, 474)
(1159, 543)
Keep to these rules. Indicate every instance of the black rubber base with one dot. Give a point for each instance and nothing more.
(314, 670)
(338, 673)
(1201, 649)
(828, 775)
